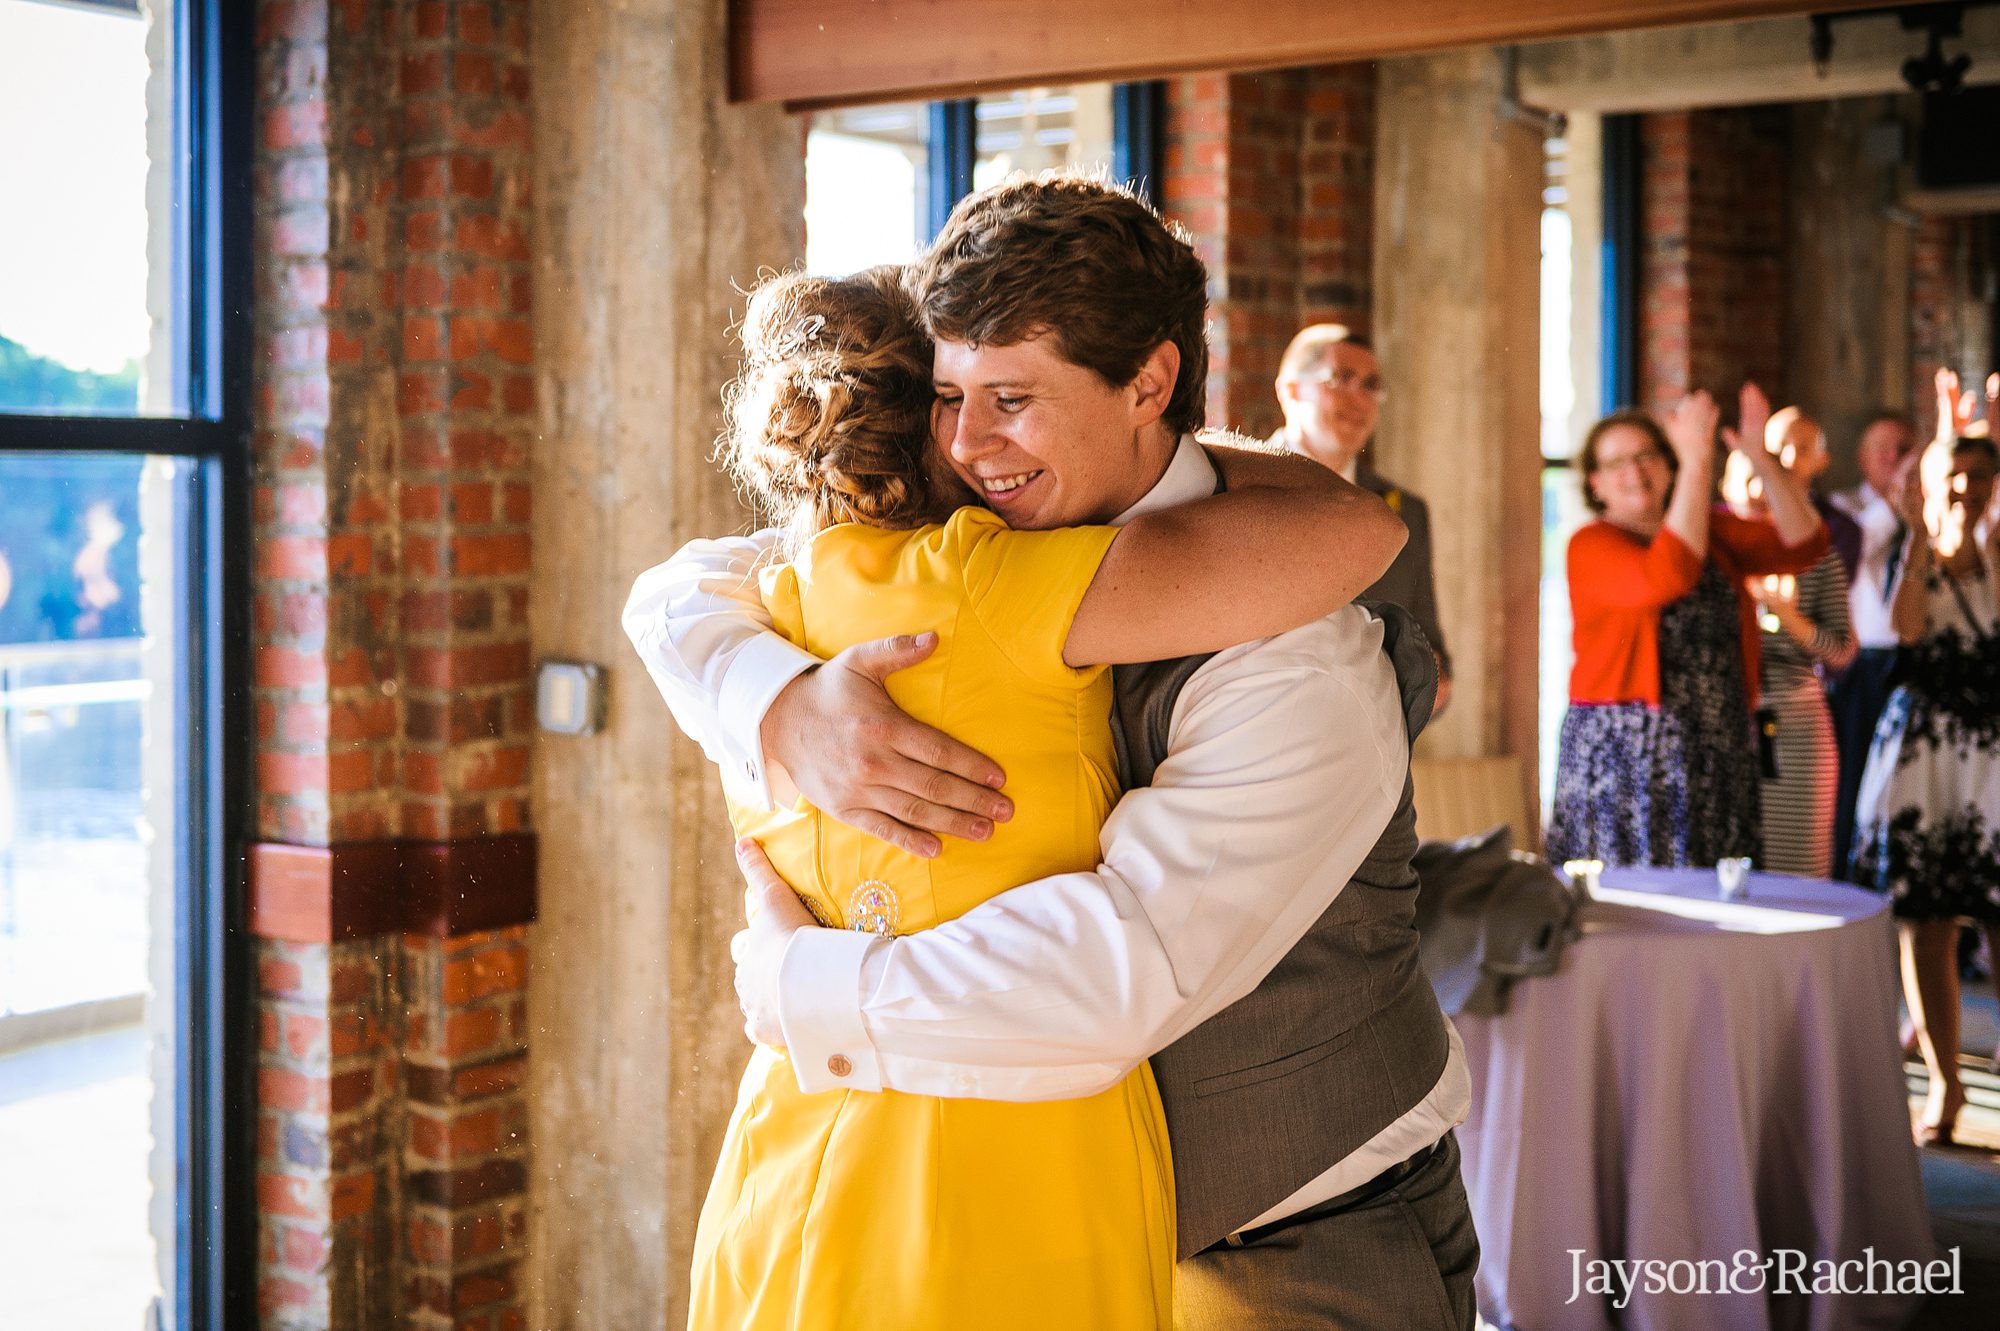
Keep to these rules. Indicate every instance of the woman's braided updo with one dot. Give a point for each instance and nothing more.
(829, 420)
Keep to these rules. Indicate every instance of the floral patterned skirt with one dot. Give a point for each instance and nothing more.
(1626, 792)
(1670, 786)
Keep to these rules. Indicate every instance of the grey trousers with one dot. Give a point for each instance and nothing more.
(1403, 1262)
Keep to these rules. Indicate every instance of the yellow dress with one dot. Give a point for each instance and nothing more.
(851, 1210)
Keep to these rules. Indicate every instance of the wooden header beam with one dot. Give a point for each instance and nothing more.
(809, 53)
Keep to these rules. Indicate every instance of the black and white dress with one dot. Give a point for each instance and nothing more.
(1927, 823)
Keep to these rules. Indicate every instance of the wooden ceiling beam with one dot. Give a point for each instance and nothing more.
(809, 53)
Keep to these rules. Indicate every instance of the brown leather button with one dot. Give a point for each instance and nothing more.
(839, 1066)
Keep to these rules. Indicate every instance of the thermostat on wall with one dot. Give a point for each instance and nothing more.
(569, 697)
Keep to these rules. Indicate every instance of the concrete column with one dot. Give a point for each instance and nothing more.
(655, 202)
(1847, 341)
(1458, 198)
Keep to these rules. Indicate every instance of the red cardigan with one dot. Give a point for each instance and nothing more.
(1618, 583)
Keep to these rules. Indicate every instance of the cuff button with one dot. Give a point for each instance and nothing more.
(839, 1066)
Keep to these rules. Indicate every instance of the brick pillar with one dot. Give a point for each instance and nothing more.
(394, 876)
(1712, 295)
(465, 1072)
(1273, 175)
(326, 1160)
(466, 401)
(1664, 304)
(1930, 317)
(1951, 311)
(1337, 197)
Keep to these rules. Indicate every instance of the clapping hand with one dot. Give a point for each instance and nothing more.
(1690, 428)
(1779, 595)
(1753, 413)
(1961, 409)
(1909, 496)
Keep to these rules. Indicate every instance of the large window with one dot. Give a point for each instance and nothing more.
(880, 180)
(1042, 129)
(1589, 363)
(867, 202)
(122, 456)
(1570, 306)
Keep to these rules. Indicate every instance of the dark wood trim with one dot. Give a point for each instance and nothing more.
(327, 894)
(809, 53)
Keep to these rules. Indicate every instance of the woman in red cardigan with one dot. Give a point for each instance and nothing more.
(1657, 764)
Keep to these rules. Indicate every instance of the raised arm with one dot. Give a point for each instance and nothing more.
(1287, 542)
(1260, 814)
(1909, 611)
(1792, 511)
(1690, 431)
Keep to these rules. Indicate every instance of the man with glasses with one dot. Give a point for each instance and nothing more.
(1330, 387)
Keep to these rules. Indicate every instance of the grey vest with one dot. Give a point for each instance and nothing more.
(1340, 1040)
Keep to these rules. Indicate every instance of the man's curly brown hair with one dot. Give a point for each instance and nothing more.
(829, 418)
(1079, 259)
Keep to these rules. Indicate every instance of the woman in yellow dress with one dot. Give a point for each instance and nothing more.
(880, 1209)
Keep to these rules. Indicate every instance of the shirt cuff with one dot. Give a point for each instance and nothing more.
(761, 670)
(819, 1010)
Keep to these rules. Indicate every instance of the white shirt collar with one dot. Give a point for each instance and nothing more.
(1189, 476)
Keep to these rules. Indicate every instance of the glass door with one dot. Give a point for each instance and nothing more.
(122, 452)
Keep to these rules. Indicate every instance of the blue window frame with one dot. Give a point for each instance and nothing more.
(1138, 113)
(1620, 327)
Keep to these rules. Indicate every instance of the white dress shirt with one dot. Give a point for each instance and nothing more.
(1868, 595)
(1286, 758)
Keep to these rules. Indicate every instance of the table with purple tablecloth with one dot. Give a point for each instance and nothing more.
(1700, 1079)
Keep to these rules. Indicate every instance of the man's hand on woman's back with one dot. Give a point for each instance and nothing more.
(857, 757)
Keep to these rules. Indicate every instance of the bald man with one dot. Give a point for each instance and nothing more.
(1330, 388)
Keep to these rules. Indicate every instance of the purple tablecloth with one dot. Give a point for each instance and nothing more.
(1701, 1079)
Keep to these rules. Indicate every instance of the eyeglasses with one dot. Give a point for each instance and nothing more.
(1347, 381)
(1644, 455)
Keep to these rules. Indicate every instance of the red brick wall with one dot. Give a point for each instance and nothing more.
(1337, 197)
(1273, 175)
(326, 1134)
(1931, 317)
(395, 405)
(1713, 234)
(1951, 312)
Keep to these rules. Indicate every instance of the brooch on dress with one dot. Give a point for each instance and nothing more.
(872, 910)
